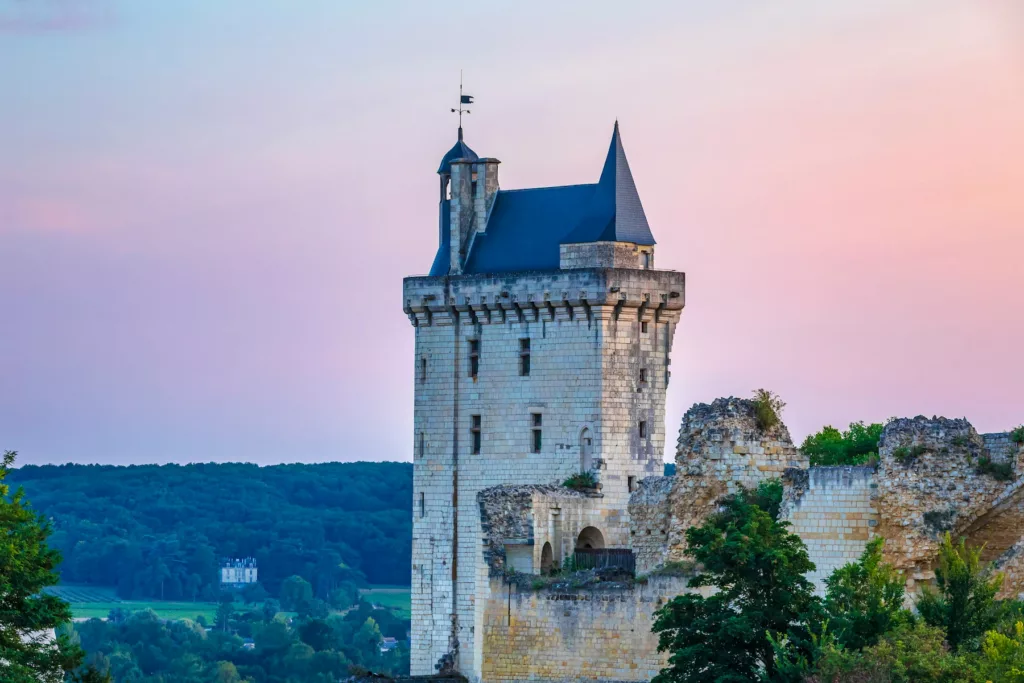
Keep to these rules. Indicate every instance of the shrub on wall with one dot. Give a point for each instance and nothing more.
(768, 409)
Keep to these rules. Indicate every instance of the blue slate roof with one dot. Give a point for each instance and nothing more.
(460, 150)
(526, 227)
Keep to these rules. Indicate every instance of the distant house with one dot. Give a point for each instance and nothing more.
(237, 572)
(388, 644)
(248, 644)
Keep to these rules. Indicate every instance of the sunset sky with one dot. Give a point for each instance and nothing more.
(207, 208)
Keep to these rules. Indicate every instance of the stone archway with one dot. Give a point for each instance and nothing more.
(586, 450)
(547, 559)
(590, 538)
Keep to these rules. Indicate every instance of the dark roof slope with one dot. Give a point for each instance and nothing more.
(460, 150)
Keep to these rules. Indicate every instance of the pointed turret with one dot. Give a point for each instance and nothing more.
(615, 214)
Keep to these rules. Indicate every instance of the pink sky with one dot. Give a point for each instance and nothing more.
(206, 210)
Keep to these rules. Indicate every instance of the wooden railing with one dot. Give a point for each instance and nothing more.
(605, 558)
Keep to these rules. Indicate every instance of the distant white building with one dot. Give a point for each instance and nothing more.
(237, 572)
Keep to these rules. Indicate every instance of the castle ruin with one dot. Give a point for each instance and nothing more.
(542, 345)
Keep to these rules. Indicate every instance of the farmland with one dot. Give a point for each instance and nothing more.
(395, 597)
(88, 602)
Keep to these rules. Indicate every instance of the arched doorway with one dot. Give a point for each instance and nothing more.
(547, 559)
(590, 538)
(586, 451)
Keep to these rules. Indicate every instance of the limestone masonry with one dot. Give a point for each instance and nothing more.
(543, 336)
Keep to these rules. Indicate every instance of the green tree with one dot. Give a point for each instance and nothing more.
(856, 446)
(758, 568)
(225, 609)
(295, 591)
(226, 673)
(28, 615)
(965, 605)
(864, 599)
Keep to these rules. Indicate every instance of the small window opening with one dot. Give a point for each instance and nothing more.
(423, 504)
(524, 357)
(538, 422)
(643, 328)
(422, 439)
(423, 369)
(643, 375)
(631, 484)
(474, 358)
(474, 432)
(643, 429)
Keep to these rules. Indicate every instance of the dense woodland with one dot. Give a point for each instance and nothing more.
(159, 531)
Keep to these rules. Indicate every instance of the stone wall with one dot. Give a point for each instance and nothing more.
(605, 255)
(573, 635)
(832, 510)
(650, 516)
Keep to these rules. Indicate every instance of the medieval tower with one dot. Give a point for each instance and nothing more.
(542, 343)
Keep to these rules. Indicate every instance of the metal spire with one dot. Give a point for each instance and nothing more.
(463, 99)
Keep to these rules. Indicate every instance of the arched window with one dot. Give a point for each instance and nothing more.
(547, 559)
(586, 451)
(590, 538)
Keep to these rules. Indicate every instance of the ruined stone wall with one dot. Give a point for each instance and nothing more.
(833, 511)
(573, 635)
(650, 515)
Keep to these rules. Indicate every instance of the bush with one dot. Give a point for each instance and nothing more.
(1017, 435)
(768, 409)
(858, 445)
(1001, 471)
(584, 481)
(906, 455)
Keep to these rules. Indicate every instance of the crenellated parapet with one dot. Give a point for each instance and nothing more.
(653, 296)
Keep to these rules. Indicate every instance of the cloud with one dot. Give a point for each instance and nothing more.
(48, 16)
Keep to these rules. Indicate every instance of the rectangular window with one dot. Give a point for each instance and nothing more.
(538, 422)
(524, 357)
(643, 375)
(421, 444)
(474, 357)
(631, 484)
(643, 429)
(423, 369)
(474, 433)
(423, 505)
(643, 328)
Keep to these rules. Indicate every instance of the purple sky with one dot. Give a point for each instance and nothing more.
(207, 208)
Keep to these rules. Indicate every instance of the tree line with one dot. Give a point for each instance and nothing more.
(160, 531)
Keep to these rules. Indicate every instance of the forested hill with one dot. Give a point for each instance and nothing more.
(160, 530)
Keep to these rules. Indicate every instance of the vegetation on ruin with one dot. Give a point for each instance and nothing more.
(582, 481)
(1001, 471)
(1017, 435)
(767, 409)
(907, 454)
(858, 445)
(965, 605)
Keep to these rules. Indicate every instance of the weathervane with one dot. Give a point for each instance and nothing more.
(463, 99)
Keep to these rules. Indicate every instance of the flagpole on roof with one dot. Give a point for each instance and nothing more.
(463, 99)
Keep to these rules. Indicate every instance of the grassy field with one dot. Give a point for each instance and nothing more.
(395, 597)
(89, 602)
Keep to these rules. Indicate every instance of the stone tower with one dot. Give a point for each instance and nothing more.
(543, 336)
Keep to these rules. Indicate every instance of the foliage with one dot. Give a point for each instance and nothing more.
(864, 599)
(159, 531)
(964, 607)
(1000, 471)
(142, 648)
(758, 568)
(905, 455)
(583, 481)
(856, 446)
(768, 409)
(27, 613)
(1003, 655)
(1017, 435)
(912, 653)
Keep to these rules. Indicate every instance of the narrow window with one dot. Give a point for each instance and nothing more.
(643, 328)
(423, 369)
(631, 484)
(643, 429)
(643, 375)
(421, 444)
(524, 357)
(474, 432)
(537, 423)
(423, 505)
(474, 357)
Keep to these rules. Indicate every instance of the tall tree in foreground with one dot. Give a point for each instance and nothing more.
(965, 605)
(29, 652)
(758, 568)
